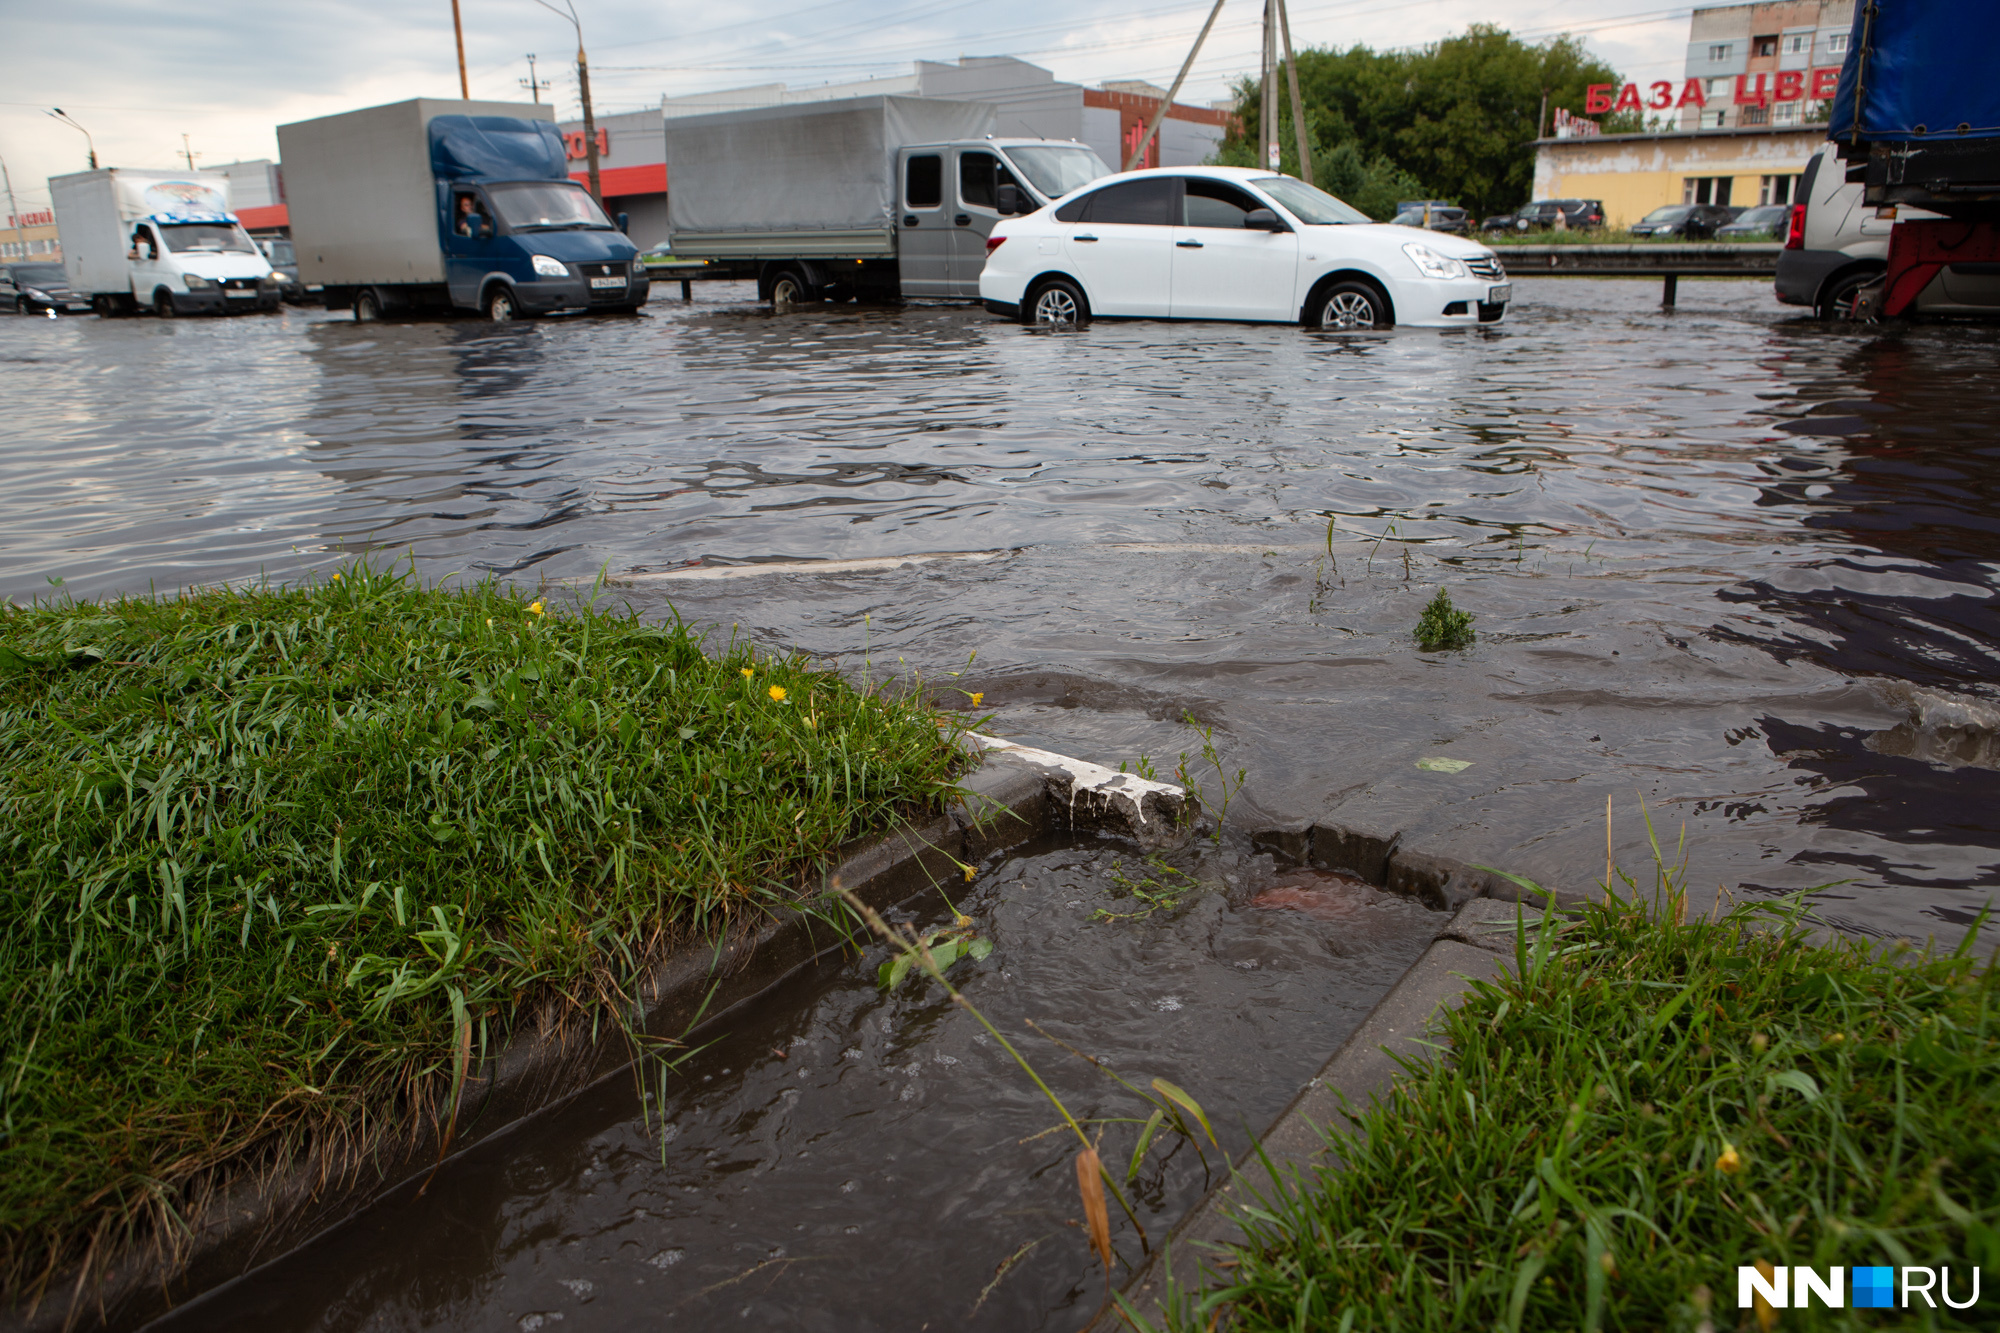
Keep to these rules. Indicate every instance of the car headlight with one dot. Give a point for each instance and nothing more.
(546, 267)
(39, 295)
(195, 282)
(270, 280)
(1432, 264)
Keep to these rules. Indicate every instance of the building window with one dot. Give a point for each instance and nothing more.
(1763, 46)
(1707, 190)
(1836, 44)
(1715, 120)
(1777, 189)
(1797, 42)
(1720, 52)
(1756, 115)
(1718, 87)
(1788, 114)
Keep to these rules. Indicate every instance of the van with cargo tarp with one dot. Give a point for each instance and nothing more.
(447, 205)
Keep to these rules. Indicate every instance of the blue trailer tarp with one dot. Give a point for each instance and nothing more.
(1919, 70)
(496, 148)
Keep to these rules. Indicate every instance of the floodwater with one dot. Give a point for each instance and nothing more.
(1733, 570)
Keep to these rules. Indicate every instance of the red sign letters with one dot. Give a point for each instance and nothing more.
(1789, 85)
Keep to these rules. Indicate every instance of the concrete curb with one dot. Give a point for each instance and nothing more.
(1015, 794)
(1477, 945)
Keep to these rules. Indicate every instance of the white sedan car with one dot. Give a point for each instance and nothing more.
(1232, 243)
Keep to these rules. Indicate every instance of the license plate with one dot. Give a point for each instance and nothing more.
(606, 282)
(1500, 295)
(235, 294)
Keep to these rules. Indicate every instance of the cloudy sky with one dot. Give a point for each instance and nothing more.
(139, 74)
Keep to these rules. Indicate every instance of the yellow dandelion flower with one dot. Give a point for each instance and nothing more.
(1730, 1162)
(534, 608)
(778, 694)
(969, 873)
(747, 673)
(962, 921)
(336, 576)
(978, 698)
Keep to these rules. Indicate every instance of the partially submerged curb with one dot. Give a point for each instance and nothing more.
(1477, 945)
(1016, 793)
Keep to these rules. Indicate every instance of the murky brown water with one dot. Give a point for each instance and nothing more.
(1734, 564)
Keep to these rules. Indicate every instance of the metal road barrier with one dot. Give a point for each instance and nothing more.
(1700, 259)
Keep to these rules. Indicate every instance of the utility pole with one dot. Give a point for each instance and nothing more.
(1542, 116)
(1160, 112)
(1298, 107)
(187, 151)
(13, 209)
(1267, 127)
(583, 86)
(531, 83)
(458, 31)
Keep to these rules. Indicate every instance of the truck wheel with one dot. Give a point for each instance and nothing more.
(790, 288)
(163, 303)
(1841, 298)
(1349, 305)
(367, 308)
(1056, 304)
(500, 305)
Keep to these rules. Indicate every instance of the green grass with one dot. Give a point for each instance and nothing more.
(1609, 236)
(1443, 625)
(1603, 1140)
(277, 862)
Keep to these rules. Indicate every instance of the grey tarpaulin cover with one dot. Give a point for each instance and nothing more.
(808, 166)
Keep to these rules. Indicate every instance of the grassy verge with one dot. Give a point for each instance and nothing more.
(1643, 1106)
(277, 863)
(1609, 237)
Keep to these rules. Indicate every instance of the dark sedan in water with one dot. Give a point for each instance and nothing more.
(32, 289)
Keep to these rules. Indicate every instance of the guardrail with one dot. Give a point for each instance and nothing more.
(1699, 259)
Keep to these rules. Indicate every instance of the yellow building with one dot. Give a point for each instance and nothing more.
(30, 236)
(1633, 174)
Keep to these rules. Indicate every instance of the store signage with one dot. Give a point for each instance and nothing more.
(1785, 85)
(576, 148)
(44, 219)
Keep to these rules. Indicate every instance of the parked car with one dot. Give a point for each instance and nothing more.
(1442, 217)
(32, 289)
(1766, 222)
(1689, 222)
(285, 265)
(1837, 250)
(1540, 215)
(1232, 243)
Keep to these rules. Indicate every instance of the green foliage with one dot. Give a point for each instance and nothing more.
(1453, 120)
(275, 862)
(945, 948)
(1642, 1105)
(1443, 625)
(1162, 891)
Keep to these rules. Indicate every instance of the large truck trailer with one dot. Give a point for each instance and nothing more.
(449, 205)
(163, 241)
(869, 197)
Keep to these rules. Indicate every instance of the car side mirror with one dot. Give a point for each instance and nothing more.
(1007, 200)
(1262, 219)
(625, 222)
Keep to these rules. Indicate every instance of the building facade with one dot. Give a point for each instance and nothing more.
(1633, 174)
(1745, 55)
(30, 236)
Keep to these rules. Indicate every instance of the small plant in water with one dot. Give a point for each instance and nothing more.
(1214, 758)
(1443, 625)
(1163, 891)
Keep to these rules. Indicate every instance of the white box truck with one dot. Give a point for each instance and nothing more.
(163, 241)
(443, 205)
(869, 197)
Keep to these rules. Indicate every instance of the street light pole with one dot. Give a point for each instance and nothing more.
(13, 209)
(62, 116)
(458, 32)
(583, 86)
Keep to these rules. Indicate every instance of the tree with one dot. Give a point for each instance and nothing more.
(1454, 120)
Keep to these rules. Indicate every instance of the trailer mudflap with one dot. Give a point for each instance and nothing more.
(1920, 250)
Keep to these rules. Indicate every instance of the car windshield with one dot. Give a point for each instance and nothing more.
(40, 275)
(1674, 214)
(211, 238)
(1314, 207)
(1769, 215)
(282, 253)
(1055, 171)
(532, 205)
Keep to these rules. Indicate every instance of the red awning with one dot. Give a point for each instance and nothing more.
(265, 219)
(617, 182)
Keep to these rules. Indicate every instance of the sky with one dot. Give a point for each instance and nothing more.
(140, 74)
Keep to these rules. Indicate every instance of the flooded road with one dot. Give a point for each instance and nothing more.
(1735, 565)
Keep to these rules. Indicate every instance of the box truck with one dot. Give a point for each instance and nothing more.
(158, 240)
(868, 197)
(443, 205)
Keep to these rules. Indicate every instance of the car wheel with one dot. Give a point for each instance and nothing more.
(789, 289)
(500, 305)
(1347, 306)
(367, 308)
(1056, 304)
(1841, 298)
(163, 303)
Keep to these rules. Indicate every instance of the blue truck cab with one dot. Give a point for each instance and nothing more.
(435, 205)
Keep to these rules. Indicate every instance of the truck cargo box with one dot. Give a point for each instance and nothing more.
(363, 194)
(95, 212)
(814, 180)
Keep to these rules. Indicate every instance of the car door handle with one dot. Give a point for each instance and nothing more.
(1188, 245)
(1083, 238)
(909, 219)
(962, 220)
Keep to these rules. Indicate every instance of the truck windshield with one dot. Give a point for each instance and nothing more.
(1056, 170)
(211, 238)
(532, 205)
(1314, 207)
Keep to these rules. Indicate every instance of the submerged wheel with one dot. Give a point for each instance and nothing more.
(367, 308)
(163, 303)
(500, 305)
(1843, 294)
(789, 289)
(1056, 304)
(1347, 306)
